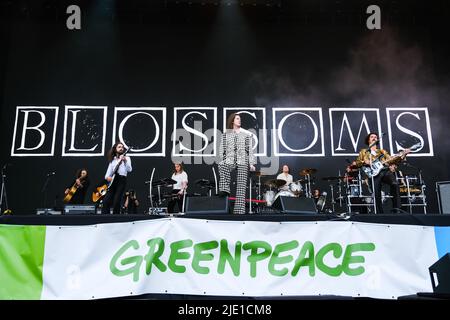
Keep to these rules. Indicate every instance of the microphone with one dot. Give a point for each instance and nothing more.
(51, 174)
(382, 134)
(324, 194)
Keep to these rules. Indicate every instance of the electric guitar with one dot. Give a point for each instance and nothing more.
(72, 191)
(101, 191)
(378, 164)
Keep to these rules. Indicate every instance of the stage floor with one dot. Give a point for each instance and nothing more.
(88, 219)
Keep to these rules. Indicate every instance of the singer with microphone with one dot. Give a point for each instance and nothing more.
(365, 158)
(116, 174)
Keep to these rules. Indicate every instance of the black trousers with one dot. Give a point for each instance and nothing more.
(115, 195)
(174, 201)
(386, 177)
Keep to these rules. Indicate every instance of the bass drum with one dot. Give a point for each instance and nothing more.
(415, 188)
(296, 189)
(269, 197)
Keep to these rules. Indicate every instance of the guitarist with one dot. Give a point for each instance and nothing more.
(385, 176)
(80, 186)
(115, 193)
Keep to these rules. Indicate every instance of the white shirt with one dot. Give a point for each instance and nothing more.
(123, 170)
(180, 178)
(288, 178)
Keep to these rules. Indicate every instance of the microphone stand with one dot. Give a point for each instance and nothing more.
(372, 178)
(3, 193)
(45, 189)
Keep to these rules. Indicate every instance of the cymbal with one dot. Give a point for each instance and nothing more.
(164, 182)
(307, 171)
(275, 183)
(259, 173)
(333, 178)
(204, 183)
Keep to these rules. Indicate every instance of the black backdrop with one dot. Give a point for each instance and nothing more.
(172, 54)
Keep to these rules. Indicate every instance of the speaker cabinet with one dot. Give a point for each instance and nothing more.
(443, 195)
(295, 205)
(79, 209)
(206, 205)
(440, 275)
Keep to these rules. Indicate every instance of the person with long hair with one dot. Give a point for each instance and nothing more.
(236, 153)
(179, 188)
(81, 183)
(116, 191)
(365, 157)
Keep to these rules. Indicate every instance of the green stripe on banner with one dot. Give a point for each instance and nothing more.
(21, 261)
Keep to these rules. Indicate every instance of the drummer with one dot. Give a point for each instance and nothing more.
(179, 188)
(284, 175)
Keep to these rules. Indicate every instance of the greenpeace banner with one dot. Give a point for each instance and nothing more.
(210, 257)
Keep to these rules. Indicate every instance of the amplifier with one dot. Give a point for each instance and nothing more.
(47, 211)
(443, 195)
(79, 209)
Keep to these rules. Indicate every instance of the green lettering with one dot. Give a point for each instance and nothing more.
(276, 259)
(152, 257)
(349, 259)
(337, 252)
(225, 256)
(175, 255)
(254, 256)
(199, 256)
(305, 259)
(136, 261)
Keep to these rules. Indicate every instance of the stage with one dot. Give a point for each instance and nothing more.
(84, 219)
(312, 118)
(292, 256)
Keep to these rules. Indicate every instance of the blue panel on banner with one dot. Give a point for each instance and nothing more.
(442, 235)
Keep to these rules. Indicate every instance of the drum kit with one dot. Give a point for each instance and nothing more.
(274, 188)
(353, 190)
(346, 191)
(157, 200)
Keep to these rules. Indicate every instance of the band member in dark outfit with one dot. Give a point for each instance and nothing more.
(316, 195)
(131, 202)
(385, 176)
(115, 193)
(236, 153)
(82, 184)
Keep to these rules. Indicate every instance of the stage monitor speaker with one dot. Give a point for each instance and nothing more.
(440, 275)
(295, 205)
(206, 205)
(79, 209)
(47, 211)
(443, 195)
